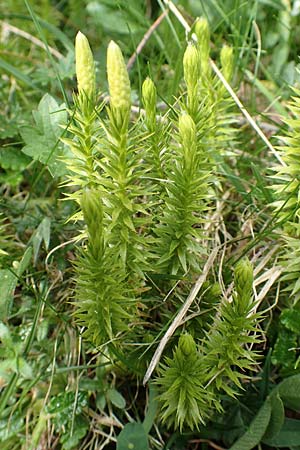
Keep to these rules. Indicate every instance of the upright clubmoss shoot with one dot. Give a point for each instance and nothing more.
(183, 398)
(119, 86)
(192, 381)
(149, 96)
(226, 57)
(144, 188)
(202, 31)
(92, 208)
(191, 69)
(286, 190)
(180, 229)
(85, 70)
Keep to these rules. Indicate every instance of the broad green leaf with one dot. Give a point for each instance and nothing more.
(70, 439)
(12, 158)
(116, 398)
(17, 73)
(100, 401)
(290, 318)
(133, 437)
(282, 354)
(43, 140)
(151, 409)
(5, 334)
(277, 417)
(8, 283)
(256, 430)
(15, 424)
(114, 19)
(41, 234)
(25, 261)
(289, 392)
(288, 436)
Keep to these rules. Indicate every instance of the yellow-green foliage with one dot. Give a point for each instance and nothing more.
(287, 200)
(144, 190)
(85, 68)
(192, 381)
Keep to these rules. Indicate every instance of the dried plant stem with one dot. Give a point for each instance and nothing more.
(145, 38)
(179, 317)
(7, 28)
(270, 277)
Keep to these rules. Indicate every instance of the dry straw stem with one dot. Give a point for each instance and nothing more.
(7, 28)
(145, 38)
(179, 317)
(229, 89)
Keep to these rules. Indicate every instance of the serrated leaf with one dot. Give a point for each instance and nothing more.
(290, 318)
(12, 158)
(43, 140)
(256, 430)
(132, 437)
(116, 398)
(61, 407)
(282, 353)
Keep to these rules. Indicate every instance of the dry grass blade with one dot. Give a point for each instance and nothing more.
(145, 38)
(7, 28)
(179, 317)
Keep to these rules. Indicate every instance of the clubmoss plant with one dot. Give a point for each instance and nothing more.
(192, 77)
(192, 381)
(103, 303)
(287, 206)
(85, 70)
(119, 88)
(187, 191)
(157, 136)
(184, 399)
(84, 125)
(229, 342)
(125, 195)
(144, 191)
(202, 31)
(212, 99)
(100, 169)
